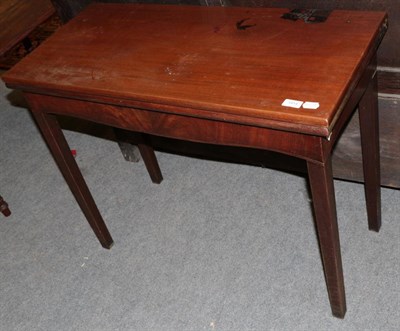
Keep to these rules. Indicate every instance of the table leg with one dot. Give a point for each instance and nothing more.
(146, 151)
(321, 183)
(4, 207)
(55, 140)
(149, 159)
(369, 129)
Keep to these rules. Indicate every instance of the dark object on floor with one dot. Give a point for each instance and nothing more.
(4, 207)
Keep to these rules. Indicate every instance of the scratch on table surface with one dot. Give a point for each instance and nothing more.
(97, 74)
(240, 26)
(275, 35)
(182, 65)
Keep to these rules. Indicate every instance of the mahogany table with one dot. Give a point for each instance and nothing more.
(230, 76)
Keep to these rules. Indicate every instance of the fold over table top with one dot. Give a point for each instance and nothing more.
(226, 63)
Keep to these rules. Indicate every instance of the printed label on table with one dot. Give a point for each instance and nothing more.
(292, 103)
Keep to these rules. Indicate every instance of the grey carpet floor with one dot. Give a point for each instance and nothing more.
(215, 246)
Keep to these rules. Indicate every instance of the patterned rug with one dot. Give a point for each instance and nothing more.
(42, 32)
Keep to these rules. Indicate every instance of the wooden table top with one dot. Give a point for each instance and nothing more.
(19, 18)
(226, 63)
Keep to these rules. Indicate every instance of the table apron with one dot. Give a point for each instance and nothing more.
(304, 146)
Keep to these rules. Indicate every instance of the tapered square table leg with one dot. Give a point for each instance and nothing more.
(369, 129)
(323, 195)
(55, 140)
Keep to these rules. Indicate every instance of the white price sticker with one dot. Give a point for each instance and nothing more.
(292, 103)
(311, 105)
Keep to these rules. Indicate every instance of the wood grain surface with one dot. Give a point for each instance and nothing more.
(253, 69)
(19, 18)
(389, 52)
